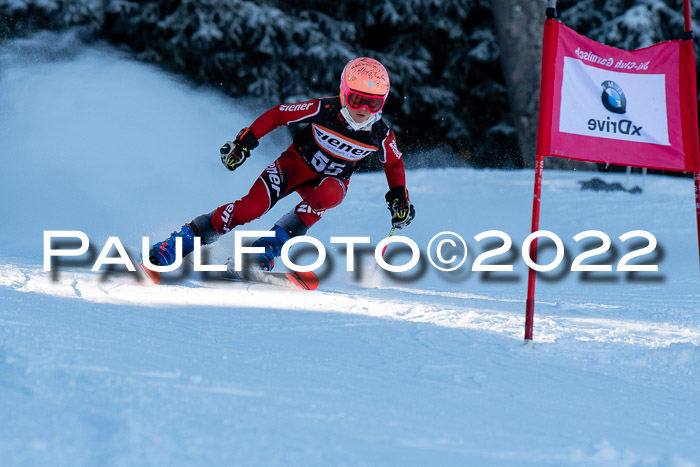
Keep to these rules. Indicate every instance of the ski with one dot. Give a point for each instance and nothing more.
(294, 279)
(303, 280)
(153, 275)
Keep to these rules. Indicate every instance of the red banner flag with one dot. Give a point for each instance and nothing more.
(607, 105)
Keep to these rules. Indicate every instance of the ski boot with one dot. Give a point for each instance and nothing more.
(163, 253)
(273, 248)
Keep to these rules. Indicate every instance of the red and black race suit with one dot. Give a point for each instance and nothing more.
(328, 144)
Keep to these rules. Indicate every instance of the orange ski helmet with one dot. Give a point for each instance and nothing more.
(364, 83)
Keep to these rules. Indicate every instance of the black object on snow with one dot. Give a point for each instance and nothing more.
(596, 184)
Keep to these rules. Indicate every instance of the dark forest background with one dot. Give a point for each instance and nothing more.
(464, 73)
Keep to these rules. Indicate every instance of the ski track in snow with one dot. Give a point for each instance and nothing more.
(448, 309)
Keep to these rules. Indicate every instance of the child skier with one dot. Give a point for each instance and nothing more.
(318, 164)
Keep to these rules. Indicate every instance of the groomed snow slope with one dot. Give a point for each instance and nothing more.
(424, 369)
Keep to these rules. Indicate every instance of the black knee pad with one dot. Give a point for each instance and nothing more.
(201, 227)
(292, 224)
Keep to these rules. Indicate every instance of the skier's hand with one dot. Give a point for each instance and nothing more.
(401, 209)
(234, 154)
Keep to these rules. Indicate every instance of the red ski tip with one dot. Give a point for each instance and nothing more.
(303, 280)
(153, 275)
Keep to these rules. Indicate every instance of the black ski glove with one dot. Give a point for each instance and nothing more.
(401, 209)
(234, 154)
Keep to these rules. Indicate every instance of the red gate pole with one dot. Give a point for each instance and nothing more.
(544, 124)
(688, 35)
(536, 201)
(697, 204)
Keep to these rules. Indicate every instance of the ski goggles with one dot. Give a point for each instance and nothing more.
(356, 100)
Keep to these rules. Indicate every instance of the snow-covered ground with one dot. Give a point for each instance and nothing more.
(427, 368)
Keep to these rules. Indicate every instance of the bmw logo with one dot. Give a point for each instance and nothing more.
(613, 98)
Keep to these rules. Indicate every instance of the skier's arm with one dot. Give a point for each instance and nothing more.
(285, 114)
(399, 205)
(234, 153)
(395, 173)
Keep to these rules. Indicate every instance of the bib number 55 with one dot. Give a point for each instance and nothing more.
(322, 164)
